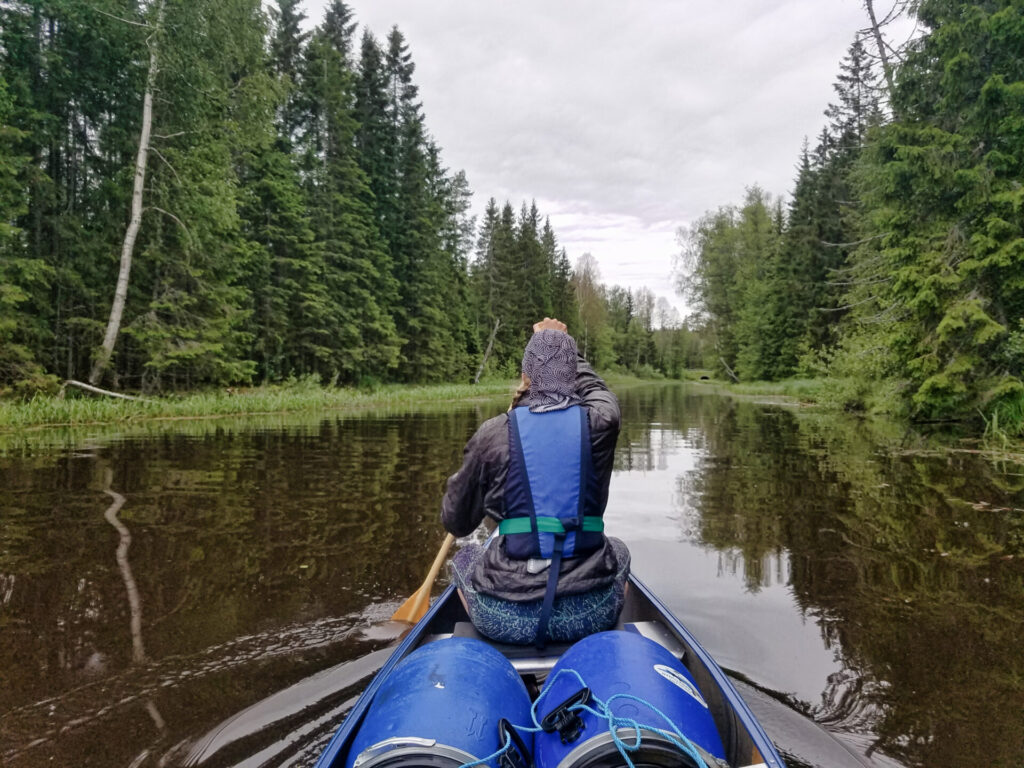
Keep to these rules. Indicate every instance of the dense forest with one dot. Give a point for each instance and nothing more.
(205, 193)
(896, 269)
(201, 194)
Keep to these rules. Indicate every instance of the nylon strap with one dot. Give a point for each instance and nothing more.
(547, 525)
(549, 593)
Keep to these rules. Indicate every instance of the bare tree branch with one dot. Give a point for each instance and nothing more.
(880, 43)
(729, 370)
(847, 306)
(171, 215)
(872, 281)
(855, 242)
(98, 391)
(159, 154)
(125, 21)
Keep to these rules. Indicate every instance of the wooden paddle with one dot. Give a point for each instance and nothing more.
(415, 608)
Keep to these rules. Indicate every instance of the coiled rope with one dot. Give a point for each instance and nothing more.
(602, 710)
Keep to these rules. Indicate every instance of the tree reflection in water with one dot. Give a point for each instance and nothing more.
(264, 555)
(907, 557)
(134, 603)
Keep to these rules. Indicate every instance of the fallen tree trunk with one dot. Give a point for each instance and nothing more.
(98, 391)
(729, 370)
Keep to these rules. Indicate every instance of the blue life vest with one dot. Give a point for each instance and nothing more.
(551, 495)
(551, 487)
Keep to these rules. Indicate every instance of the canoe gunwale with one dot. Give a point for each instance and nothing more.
(347, 730)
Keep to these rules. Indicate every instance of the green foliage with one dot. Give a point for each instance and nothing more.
(897, 269)
(296, 394)
(735, 275)
(19, 277)
(350, 288)
(943, 186)
(297, 219)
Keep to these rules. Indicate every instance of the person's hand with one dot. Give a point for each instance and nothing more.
(549, 322)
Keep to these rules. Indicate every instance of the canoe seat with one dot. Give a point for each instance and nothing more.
(525, 658)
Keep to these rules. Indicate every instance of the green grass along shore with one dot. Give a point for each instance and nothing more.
(304, 396)
(47, 419)
(79, 409)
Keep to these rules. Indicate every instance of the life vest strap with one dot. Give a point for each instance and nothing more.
(548, 606)
(590, 524)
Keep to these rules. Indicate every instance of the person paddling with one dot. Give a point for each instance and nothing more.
(542, 472)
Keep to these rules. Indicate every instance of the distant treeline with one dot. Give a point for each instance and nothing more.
(898, 265)
(294, 218)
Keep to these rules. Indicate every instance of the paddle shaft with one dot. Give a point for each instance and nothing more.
(415, 607)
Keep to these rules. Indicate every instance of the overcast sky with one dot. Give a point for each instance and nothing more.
(624, 120)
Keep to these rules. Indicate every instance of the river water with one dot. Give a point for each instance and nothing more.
(215, 593)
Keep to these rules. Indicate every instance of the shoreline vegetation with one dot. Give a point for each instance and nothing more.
(297, 220)
(305, 395)
(291, 216)
(83, 417)
(301, 396)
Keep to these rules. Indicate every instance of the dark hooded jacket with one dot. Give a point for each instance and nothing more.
(477, 489)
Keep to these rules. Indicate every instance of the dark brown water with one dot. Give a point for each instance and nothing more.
(215, 594)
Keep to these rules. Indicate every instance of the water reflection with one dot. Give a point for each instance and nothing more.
(871, 590)
(879, 590)
(134, 605)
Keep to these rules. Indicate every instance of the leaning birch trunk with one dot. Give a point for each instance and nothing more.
(128, 247)
(490, 346)
(880, 44)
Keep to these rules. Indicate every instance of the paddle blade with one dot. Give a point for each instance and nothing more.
(416, 607)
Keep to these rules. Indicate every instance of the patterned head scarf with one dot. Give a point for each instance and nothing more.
(550, 363)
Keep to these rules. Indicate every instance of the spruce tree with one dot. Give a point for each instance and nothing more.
(945, 234)
(373, 138)
(72, 72)
(276, 226)
(536, 286)
(287, 46)
(563, 304)
(354, 291)
(339, 27)
(20, 277)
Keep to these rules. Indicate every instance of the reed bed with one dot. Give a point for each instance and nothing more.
(801, 389)
(77, 410)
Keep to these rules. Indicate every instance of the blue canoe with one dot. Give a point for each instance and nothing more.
(739, 739)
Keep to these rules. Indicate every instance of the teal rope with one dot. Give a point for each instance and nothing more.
(603, 711)
(493, 755)
(676, 737)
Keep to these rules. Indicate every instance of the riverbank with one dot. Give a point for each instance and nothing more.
(301, 396)
(304, 396)
(998, 433)
(801, 390)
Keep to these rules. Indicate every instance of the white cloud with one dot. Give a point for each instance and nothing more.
(623, 120)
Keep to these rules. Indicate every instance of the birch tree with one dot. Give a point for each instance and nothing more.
(131, 233)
